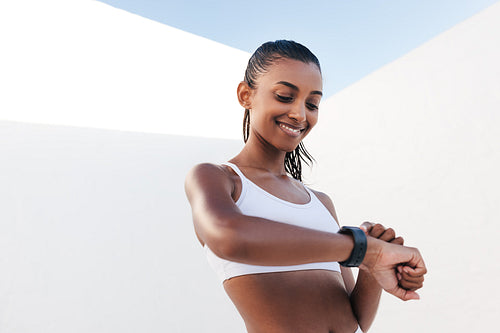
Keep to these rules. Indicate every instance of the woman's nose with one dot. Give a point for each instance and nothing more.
(298, 113)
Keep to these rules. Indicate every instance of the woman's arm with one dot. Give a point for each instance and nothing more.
(365, 297)
(366, 294)
(231, 235)
(234, 236)
(364, 291)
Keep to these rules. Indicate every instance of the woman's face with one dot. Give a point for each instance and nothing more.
(284, 104)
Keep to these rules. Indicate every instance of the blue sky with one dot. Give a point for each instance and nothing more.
(351, 38)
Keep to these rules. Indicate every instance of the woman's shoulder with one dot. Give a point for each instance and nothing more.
(205, 170)
(322, 196)
(208, 175)
(206, 167)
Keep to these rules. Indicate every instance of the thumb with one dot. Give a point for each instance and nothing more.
(403, 294)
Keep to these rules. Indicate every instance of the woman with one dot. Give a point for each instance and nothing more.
(274, 242)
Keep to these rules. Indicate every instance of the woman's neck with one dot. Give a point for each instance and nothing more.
(261, 157)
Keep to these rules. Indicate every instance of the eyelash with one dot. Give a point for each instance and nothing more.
(312, 106)
(286, 99)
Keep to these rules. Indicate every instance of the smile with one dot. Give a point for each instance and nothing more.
(290, 130)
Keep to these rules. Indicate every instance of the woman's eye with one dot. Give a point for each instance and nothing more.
(312, 106)
(285, 99)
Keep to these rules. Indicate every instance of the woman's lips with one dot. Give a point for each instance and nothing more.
(290, 130)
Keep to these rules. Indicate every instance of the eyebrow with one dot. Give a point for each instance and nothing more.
(294, 87)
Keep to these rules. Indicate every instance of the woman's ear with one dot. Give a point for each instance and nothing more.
(244, 93)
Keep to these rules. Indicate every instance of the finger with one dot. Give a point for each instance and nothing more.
(415, 260)
(398, 240)
(377, 230)
(419, 279)
(414, 272)
(410, 286)
(412, 276)
(399, 272)
(388, 235)
(412, 281)
(366, 227)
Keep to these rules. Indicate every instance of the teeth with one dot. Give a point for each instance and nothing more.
(290, 129)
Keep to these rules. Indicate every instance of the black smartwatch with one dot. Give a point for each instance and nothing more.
(359, 249)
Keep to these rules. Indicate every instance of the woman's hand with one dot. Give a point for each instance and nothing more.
(408, 277)
(377, 230)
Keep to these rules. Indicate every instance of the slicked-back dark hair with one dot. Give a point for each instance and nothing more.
(260, 61)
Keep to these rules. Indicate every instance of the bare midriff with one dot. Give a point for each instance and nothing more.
(314, 301)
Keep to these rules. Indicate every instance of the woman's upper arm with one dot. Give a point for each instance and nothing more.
(347, 275)
(208, 188)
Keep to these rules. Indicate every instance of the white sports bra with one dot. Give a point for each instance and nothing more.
(254, 201)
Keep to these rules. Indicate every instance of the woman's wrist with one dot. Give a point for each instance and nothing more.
(374, 248)
(359, 249)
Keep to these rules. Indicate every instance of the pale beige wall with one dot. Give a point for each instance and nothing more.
(415, 146)
(97, 233)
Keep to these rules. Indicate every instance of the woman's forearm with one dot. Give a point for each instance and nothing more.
(365, 299)
(259, 241)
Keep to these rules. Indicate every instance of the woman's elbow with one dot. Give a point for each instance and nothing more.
(226, 242)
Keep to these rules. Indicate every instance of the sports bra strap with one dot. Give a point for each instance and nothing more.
(235, 169)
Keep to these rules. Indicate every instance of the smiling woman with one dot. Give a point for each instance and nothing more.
(276, 244)
(264, 56)
(276, 106)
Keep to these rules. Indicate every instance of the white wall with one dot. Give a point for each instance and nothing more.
(415, 146)
(84, 63)
(96, 232)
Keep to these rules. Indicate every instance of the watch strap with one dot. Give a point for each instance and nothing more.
(359, 249)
